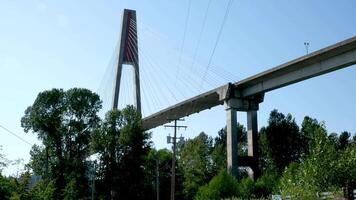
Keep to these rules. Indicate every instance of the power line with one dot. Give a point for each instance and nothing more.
(14, 134)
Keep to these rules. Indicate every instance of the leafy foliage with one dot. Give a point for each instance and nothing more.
(6, 188)
(295, 162)
(63, 121)
(195, 163)
(218, 153)
(158, 163)
(281, 142)
(3, 161)
(122, 147)
(326, 168)
(221, 186)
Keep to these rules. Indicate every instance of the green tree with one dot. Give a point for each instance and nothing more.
(160, 160)
(218, 154)
(195, 163)
(219, 150)
(347, 166)
(344, 140)
(38, 160)
(221, 186)
(63, 121)
(309, 128)
(281, 142)
(6, 188)
(106, 142)
(22, 187)
(325, 168)
(122, 146)
(3, 161)
(262, 188)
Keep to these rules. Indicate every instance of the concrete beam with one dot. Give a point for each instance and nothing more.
(190, 106)
(326, 60)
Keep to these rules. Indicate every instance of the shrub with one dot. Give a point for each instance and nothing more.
(221, 186)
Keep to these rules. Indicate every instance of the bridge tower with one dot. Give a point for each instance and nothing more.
(128, 54)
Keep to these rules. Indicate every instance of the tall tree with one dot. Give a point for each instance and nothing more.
(344, 140)
(195, 163)
(105, 142)
(158, 173)
(219, 150)
(63, 121)
(325, 168)
(281, 141)
(3, 161)
(122, 146)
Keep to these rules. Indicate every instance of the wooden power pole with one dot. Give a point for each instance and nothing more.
(174, 141)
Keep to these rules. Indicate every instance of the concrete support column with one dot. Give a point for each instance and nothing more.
(252, 140)
(252, 133)
(231, 141)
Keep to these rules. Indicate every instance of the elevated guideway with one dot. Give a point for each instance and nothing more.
(331, 58)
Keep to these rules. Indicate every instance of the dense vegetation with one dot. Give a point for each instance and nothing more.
(296, 161)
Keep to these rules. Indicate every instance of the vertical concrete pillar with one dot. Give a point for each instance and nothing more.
(252, 140)
(252, 133)
(231, 141)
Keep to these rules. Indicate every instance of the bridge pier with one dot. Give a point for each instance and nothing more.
(231, 140)
(250, 106)
(252, 142)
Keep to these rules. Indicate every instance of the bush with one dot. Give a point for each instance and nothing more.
(265, 185)
(247, 188)
(262, 188)
(221, 186)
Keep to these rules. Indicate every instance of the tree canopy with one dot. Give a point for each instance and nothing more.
(122, 147)
(63, 121)
(113, 158)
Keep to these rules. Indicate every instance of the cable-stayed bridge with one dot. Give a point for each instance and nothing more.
(244, 95)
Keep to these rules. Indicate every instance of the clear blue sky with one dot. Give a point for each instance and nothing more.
(65, 44)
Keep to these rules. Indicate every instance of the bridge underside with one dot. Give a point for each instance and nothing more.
(247, 94)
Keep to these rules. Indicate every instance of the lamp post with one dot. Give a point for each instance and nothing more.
(306, 44)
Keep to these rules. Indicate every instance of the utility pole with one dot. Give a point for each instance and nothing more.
(157, 177)
(173, 177)
(46, 167)
(93, 182)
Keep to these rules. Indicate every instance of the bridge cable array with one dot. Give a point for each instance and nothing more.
(183, 41)
(158, 86)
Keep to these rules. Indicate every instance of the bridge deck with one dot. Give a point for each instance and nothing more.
(334, 57)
